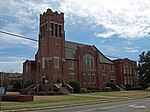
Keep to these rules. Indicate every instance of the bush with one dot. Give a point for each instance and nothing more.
(112, 86)
(128, 87)
(89, 91)
(41, 93)
(76, 86)
(83, 90)
(51, 93)
(108, 89)
(137, 88)
(60, 93)
(9, 97)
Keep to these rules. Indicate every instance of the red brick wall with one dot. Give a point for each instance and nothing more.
(120, 73)
(50, 47)
(29, 70)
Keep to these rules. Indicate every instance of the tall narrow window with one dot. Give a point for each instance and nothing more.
(84, 78)
(59, 30)
(52, 28)
(26, 68)
(125, 80)
(112, 68)
(130, 70)
(71, 76)
(43, 62)
(56, 30)
(88, 62)
(93, 79)
(44, 31)
(89, 78)
(56, 62)
(103, 67)
(127, 69)
(71, 64)
(104, 78)
(124, 69)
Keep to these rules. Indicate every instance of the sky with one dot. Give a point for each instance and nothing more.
(118, 28)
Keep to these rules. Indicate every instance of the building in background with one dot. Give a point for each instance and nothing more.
(125, 72)
(29, 71)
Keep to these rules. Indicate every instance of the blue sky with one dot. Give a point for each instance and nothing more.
(118, 28)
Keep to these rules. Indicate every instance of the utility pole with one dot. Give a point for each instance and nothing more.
(1, 89)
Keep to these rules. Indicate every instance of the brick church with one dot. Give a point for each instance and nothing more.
(61, 60)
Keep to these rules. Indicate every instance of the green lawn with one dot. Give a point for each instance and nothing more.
(75, 99)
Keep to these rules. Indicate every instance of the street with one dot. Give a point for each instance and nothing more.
(138, 105)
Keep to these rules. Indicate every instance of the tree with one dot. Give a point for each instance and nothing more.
(17, 86)
(76, 86)
(143, 69)
(28, 83)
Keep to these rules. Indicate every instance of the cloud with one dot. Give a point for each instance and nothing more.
(131, 49)
(105, 35)
(129, 19)
(11, 66)
(12, 63)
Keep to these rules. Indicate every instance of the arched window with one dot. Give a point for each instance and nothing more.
(88, 61)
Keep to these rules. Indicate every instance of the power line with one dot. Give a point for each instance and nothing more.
(16, 35)
(27, 38)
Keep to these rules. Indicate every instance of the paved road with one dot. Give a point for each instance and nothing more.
(139, 105)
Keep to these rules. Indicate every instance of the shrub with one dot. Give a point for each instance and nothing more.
(9, 97)
(60, 93)
(76, 86)
(89, 91)
(137, 88)
(108, 89)
(112, 86)
(128, 87)
(41, 93)
(51, 93)
(83, 90)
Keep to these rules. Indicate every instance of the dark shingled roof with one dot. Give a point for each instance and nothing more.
(71, 47)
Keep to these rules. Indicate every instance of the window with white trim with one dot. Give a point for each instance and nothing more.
(89, 78)
(124, 69)
(71, 64)
(88, 61)
(43, 62)
(93, 79)
(127, 69)
(104, 78)
(56, 62)
(125, 80)
(130, 70)
(84, 78)
(112, 68)
(103, 67)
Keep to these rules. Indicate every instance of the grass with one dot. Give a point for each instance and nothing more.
(75, 99)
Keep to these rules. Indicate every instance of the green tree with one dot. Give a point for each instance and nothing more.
(76, 86)
(143, 69)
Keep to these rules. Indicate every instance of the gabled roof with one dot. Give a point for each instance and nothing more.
(71, 47)
(103, 58)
